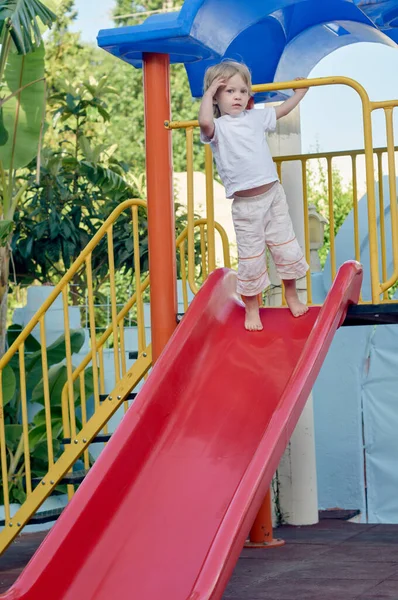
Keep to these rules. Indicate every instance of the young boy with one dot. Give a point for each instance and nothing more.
(245, 166)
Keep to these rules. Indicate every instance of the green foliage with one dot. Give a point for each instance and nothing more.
(317, 186)
(79, 187)
(9, 384)
(34, 390)
(21, 19)
(21, 115)
(23, 112)
(127, 114)
(69, 60)
(6, 228)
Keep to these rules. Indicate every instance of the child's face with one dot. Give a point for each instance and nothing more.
(232, 98)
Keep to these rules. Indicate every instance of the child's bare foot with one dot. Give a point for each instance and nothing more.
(252, 320)
(297, 308)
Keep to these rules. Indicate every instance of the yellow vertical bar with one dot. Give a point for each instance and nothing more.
(122, 348)
(101, 369)
(90, 297)
(357, 247)
(24, 415)
(306, 229)
(69, 367)
(392, 178)
(190, 209)
(183, 276)
(137, 271)
(211, 244)
(331, 219)
(382, 222)
(370, 185)
(111, 260)
(203, 252)
(355, 207)
(3, 452)
(102, 378)
(84, 414)
(46, 388)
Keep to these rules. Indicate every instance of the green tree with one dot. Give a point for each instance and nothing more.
(318, 194)
(80, 184)
(127, 108)
(21, 115)
(68, 58)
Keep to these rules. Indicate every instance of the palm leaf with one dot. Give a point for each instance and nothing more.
(105, 178)
(23, 113)
(22, 17)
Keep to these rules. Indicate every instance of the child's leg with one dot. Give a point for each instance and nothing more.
(297, 308)
(252, 319)
(287, 255)
(248, 217)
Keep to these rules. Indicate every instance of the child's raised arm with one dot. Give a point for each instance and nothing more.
(206, 116)
(286, 107)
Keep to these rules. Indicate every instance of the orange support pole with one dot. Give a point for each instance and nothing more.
(261, 532)
(161, 229)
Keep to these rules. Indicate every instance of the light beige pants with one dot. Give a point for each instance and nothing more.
(262, 221)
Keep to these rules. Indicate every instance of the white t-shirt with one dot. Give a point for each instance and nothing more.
(241, 151)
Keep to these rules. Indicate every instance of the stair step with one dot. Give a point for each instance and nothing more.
(74, 478)
(131, 396)
(102, 437)
(69, 478)
(44, 516)
(98, 439)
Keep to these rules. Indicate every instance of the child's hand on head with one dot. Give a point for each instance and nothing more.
(301, 91)
(215, 86)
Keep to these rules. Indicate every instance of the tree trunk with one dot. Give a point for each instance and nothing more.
(4, 273)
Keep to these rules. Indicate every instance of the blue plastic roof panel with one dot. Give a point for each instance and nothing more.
(277, 39)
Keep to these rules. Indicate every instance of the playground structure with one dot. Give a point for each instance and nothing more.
(162, 282)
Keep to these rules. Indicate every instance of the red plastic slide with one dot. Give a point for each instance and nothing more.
(165, 511)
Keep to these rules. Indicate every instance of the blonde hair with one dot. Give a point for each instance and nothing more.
(226, 70)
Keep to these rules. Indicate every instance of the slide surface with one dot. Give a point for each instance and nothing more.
(165, 511)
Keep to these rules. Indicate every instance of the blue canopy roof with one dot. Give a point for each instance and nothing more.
(277, 39)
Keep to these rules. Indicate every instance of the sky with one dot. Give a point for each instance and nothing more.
(330, 118)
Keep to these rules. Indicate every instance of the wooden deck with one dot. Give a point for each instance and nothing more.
(334, 560)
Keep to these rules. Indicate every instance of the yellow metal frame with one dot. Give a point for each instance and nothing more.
(104, 411)
(378, 285)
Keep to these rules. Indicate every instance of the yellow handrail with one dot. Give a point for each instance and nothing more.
(70, 430)
(74, 268)
(377, 286)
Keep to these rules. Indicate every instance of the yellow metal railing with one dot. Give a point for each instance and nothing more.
(194, 273)
(79, 431)
(380, 283)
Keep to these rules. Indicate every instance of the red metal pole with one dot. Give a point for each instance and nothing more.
(161, 229)
(261, 532)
